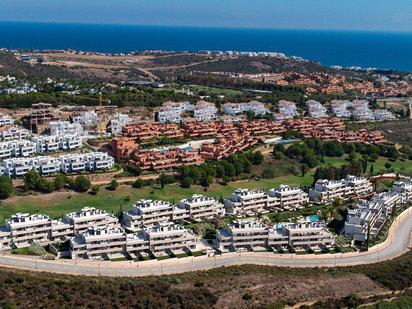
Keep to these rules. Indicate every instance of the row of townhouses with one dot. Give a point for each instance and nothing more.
(45, 165)
(159, 240)
(14, 133)
(245, 202)
(250, 234)
(147, 212)
(65, 127)
(39, 145)
(256, 107)
(6, 120)
(359, 110)
(368, 217)
(326, 191)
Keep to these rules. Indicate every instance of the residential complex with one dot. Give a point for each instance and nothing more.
(205, 111)
(368, 217)
(14, 133)
(65, 127)
(315, 109)
(288, 109)
(201, 208)
(6, 120)
(234, 109)
(359, 110)
(146, 213)
(251, 235)
(245, 202)
(327, 191)
(72, 163)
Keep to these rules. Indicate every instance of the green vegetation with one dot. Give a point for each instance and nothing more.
(32, 250)
(6, 187)
(205, 289)
(55, 204)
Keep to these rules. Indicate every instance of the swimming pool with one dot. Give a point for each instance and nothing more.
(314, 218)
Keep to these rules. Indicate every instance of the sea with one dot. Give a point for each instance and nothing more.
(382, 50)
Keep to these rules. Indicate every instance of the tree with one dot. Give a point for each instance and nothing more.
(59, 182)
(388, 165)
(6, 187)
(43, 185)
(139, 183)
(162, 180)
(187, 182)
(82, 184)
(371, 170)
(95, 190)
(113, 185)
(31, 180)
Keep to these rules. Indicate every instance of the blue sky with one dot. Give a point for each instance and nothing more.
(384, 15)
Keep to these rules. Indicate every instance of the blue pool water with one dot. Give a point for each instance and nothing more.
(314, 218)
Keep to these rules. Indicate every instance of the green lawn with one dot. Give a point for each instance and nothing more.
(55, 204)
(402, 167)
(215, 91)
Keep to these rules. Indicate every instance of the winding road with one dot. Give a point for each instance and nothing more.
(396, 244)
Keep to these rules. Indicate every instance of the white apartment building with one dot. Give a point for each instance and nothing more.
(6, 120)
(146, 213)
(245, 202)
(201, 208)
(169, 236)
(315, 109)
(17, 148)
(238, 108)
(98, 242)
(250, 234)
(361, 111)
(118, 122)
(52, 143)
(205, 111)
(65, 127)
(86, 118)
(169, 114)
(371, 215)
(326, 191)
(404, 188)
(14, 133)
(287, 197)
(340, 108)
(288, 109)
(242, 235)
(308, 234)
(16, 167)
(172, 111)
(26, 229)
(92, 161)
(383, 115)
(88, 217)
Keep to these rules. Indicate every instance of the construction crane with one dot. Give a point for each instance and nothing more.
(101, 125)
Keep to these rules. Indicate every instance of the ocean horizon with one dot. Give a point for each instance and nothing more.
(383, 50)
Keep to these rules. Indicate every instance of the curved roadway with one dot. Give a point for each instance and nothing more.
(395, 245)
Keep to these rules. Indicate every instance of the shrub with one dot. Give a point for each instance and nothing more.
(6, 187)
(59, 182)
(31, 180)
(187, 182)
(95, 190)
(139, 183)
(113, 185)
(82, 184)
(247, 296)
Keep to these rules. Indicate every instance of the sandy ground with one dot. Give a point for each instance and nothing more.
(271, 289)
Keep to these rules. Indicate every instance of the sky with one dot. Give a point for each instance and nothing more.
(370, 15)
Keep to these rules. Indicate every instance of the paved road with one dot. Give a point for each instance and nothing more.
(396, 244)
